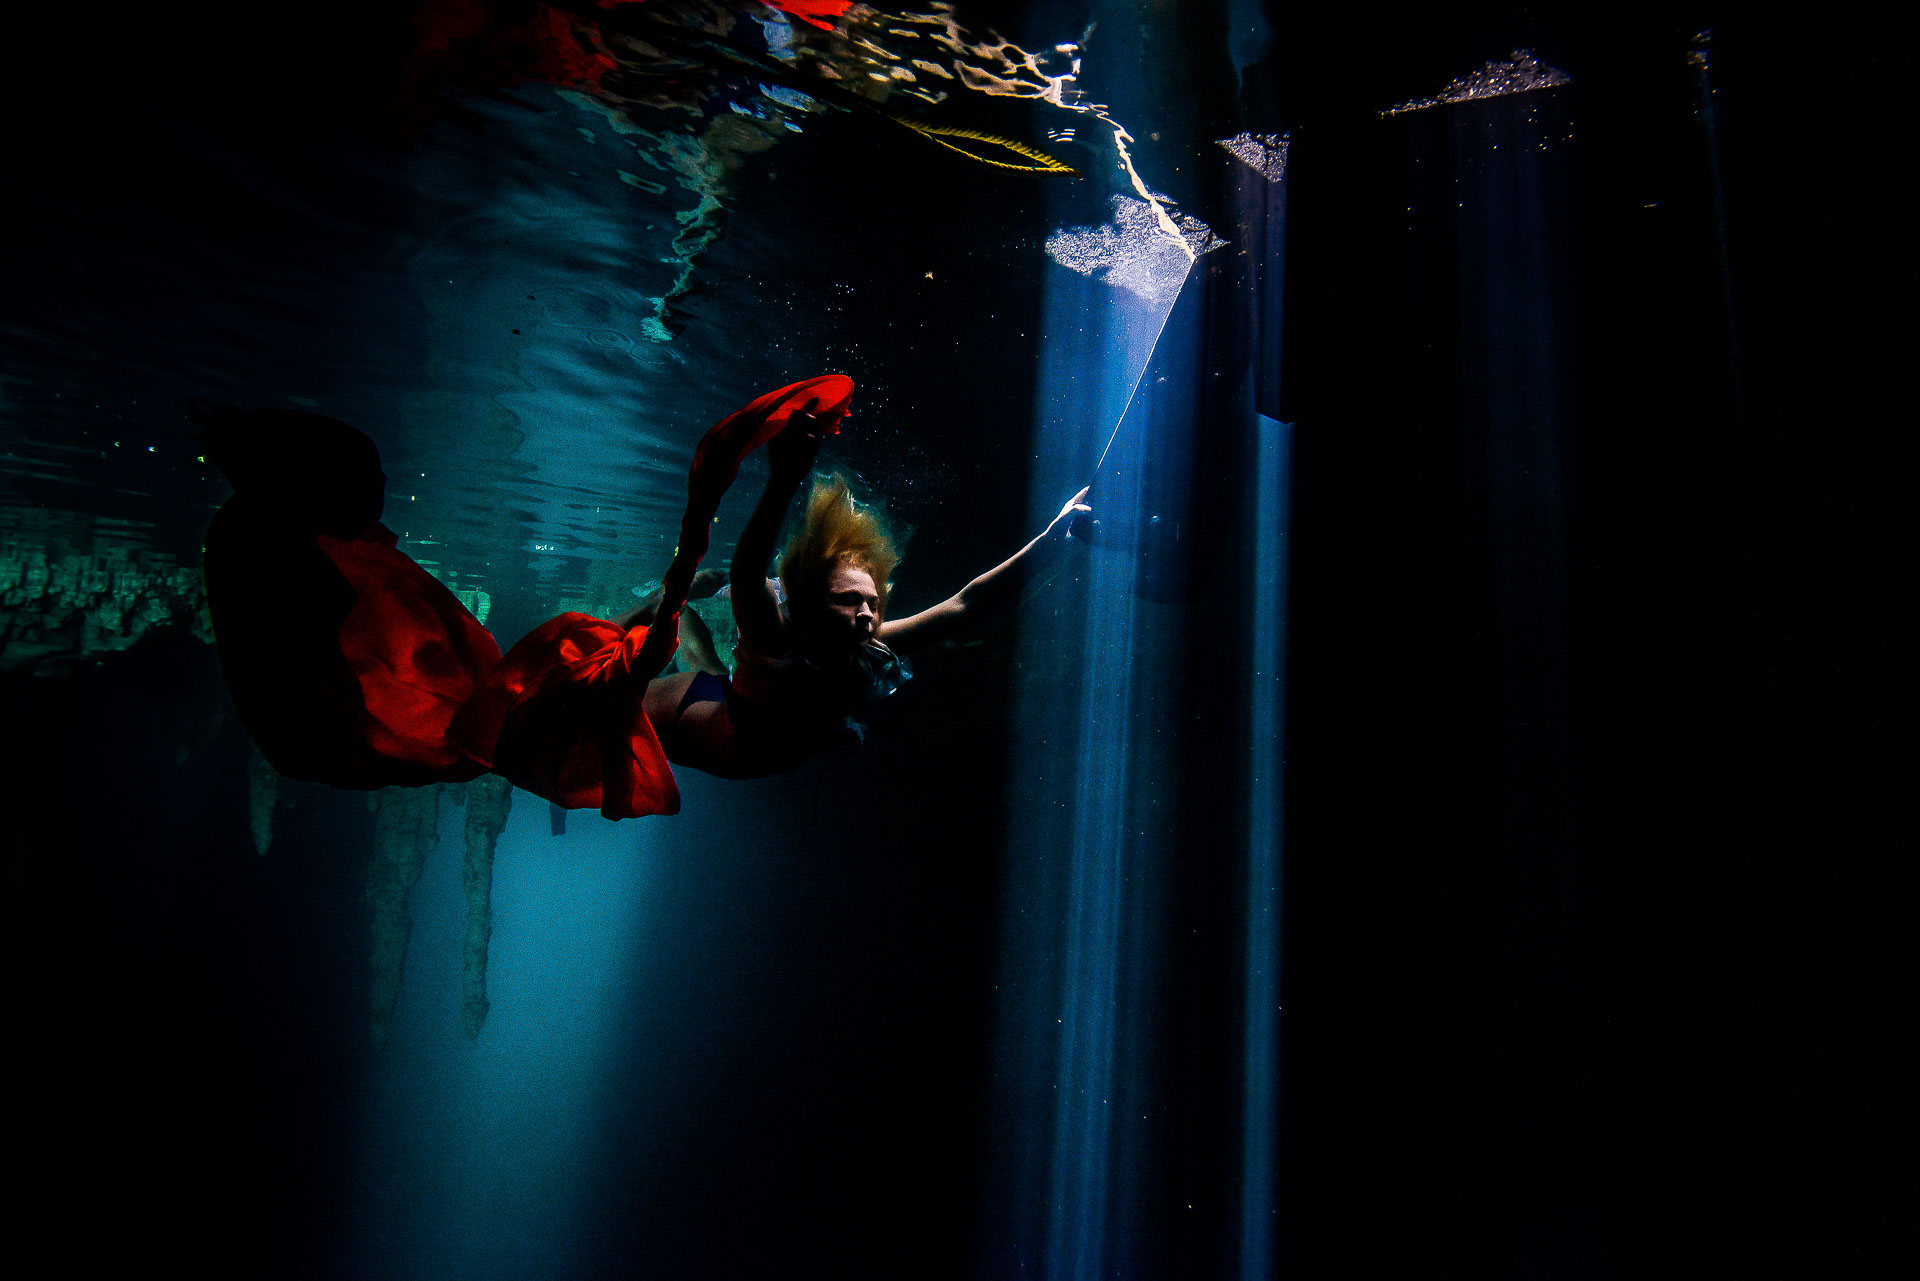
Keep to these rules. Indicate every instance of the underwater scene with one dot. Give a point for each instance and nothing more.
(1074, 639)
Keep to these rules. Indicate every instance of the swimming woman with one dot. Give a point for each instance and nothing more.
(800, 670)
(351, 665)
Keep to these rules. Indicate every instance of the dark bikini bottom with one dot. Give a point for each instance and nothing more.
(780, 739)
(706, 687)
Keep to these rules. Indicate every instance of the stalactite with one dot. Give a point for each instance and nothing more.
(263, 792)
(69, 591)
(405, 825)
(488, 799)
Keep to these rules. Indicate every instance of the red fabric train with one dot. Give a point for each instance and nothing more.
(353, 666)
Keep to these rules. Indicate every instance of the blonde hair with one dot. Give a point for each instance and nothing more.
(836, 530)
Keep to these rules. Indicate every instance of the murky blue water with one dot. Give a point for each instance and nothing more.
(1005, 993)
(538, 306)
(763, 1032)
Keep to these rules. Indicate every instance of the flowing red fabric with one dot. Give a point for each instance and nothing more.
(415, 650)
(716, 461)
(347, 661)
(563, 715)
(352, 665)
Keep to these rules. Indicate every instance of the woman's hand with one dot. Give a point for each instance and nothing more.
(792, 452)
(999, 587)
(1075, 520)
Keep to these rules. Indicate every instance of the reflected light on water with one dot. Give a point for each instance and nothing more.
(1522, 72)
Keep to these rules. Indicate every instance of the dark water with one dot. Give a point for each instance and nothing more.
(534, 329)
(1591, 938)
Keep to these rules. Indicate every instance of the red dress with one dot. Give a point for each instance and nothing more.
(351, 665)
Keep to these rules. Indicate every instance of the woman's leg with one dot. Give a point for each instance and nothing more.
(706, 583)
(697, 650)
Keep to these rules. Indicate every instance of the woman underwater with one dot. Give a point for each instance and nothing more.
(351, 665)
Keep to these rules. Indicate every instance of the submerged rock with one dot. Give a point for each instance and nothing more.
(61, 603)
(405, 829)
(405, 826)
(263, 793)
(489, 797)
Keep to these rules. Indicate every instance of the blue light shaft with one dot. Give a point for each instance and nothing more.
(1266, 695)
(1133, 391)
(1079, 1121)
(1085, 1182)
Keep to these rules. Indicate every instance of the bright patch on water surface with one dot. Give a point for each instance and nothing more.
(1520, 73)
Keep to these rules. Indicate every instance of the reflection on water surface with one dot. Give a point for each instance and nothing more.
(604, 226)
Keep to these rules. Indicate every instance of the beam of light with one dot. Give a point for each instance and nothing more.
(1131, 393)
(1266, 695)
(1097, 1034)
(1263, 219)
(1082, 977)
(1094, 1037)
(1149, 254)
(1144, 250)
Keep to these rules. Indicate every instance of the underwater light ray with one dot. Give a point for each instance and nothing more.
(1265, 817)
(1134, 391)
(1094, 1033)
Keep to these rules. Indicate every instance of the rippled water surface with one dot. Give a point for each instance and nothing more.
(538, 292)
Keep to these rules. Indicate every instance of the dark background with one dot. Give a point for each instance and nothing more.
(1593, 937)
(1595, 929)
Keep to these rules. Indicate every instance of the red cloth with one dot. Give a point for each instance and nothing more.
(564, 716)
(347, 661)
(716, 461)
(416, 651)
(814, 12)
(352, 665)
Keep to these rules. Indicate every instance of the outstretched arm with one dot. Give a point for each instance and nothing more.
(993, 590)
(755, 610)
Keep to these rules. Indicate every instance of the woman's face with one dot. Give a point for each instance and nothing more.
(849, 613)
